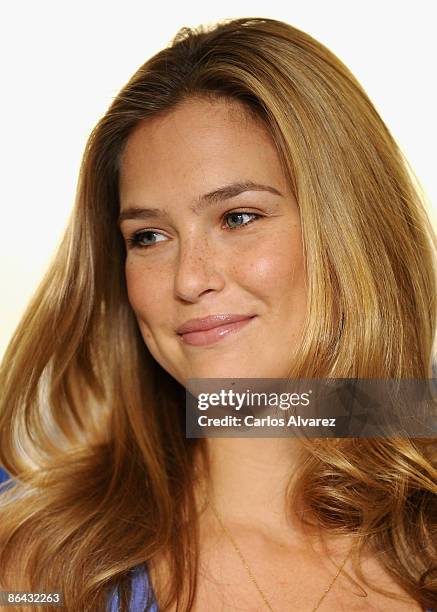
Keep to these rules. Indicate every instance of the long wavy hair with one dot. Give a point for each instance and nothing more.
(92, 429)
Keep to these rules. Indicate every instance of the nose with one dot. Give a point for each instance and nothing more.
(199, 269)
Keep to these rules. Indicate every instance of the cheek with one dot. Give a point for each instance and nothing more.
(274, 264)
(144, 292)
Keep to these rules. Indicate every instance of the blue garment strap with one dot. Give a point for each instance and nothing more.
(141, 588)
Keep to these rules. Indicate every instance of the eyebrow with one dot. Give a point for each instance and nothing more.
(208, 199)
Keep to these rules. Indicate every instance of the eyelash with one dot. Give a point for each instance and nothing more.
(134, 240)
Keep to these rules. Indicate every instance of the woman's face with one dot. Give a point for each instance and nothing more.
(212, 230)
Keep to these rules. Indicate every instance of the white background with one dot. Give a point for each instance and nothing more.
(63, 62)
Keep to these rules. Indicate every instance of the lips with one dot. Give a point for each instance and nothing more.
(210, 329)
(210, 322)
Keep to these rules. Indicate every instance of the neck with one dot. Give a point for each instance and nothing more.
(249, 479)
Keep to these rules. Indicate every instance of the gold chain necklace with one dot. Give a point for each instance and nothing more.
(252, 577)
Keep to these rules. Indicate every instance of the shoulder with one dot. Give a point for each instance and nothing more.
(141, 589)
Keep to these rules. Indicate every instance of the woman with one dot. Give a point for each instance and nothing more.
(243, 178)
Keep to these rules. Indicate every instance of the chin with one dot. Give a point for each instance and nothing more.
(226, 371)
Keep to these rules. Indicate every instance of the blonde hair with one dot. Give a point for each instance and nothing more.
(92, 429)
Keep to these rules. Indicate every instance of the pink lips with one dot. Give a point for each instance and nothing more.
(200, 332)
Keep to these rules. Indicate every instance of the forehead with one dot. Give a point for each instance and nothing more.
(194, 114)
(198, 146)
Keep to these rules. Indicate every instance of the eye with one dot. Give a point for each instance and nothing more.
(144, 239)
(236, 219)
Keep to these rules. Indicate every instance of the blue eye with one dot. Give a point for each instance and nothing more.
(144, 238)
(236, 217)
